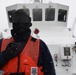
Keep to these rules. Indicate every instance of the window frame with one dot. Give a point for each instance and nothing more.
(34, 15)
(51, 19)
(65, 15)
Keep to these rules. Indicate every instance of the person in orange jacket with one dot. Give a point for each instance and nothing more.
(23, 54)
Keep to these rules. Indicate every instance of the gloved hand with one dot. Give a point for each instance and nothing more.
(13, 49)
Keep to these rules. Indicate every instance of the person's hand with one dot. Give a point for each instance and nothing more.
(12, 50)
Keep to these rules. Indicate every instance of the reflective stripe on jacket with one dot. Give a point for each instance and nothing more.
(28, 58)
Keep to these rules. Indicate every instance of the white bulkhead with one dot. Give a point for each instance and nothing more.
(51, 20)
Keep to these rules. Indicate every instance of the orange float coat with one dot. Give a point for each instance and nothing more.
(28, 58)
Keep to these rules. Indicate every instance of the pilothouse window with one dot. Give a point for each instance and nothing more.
(11, 12)
(49, 14)
(37, 14)
(62, 15)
